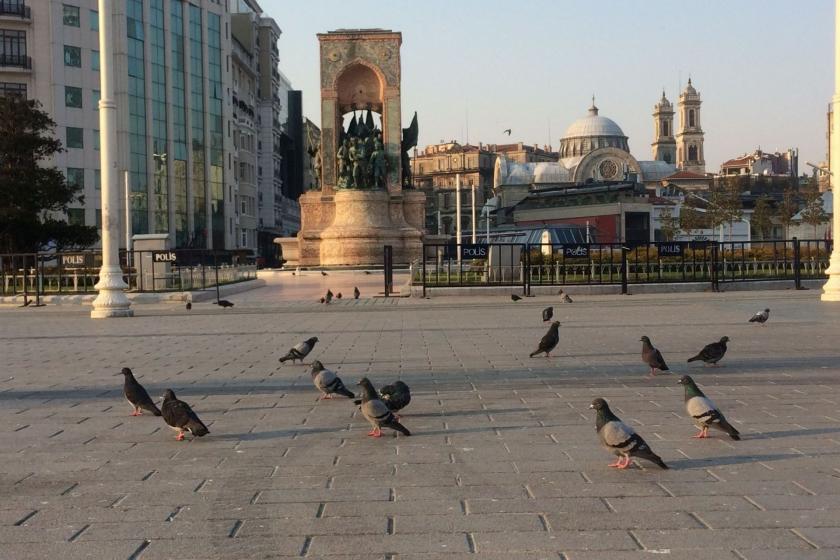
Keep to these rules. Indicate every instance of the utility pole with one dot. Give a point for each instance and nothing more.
(831, 289)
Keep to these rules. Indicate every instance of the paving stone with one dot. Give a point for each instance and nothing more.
(736, 538)
(555, 541)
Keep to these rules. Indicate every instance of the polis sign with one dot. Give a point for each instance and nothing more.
(575, 251)
(164, 256)
(670, 249)
(470, 252)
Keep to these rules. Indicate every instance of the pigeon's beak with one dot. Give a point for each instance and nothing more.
(116, 374)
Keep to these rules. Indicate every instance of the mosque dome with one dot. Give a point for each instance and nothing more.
(590, 133)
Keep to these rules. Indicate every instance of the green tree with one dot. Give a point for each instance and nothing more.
(690, 217)
(34, 197)
(788, 208)
(668, 224)
(813, 214)
(762, 217)
(725, 205)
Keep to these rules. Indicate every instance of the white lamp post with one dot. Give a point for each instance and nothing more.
(111, 301)
(831, 289)
(458, 213)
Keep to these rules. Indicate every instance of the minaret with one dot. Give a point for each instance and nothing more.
(664, 145)
(690, 156)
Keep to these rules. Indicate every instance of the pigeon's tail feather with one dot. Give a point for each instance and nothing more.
(288, 356)
(197, 429)
(357, 402)
(344, 391)
(534, 353)
(730, 429)
(696, 358)
(395, 425)
(753, 319)
(653, 458)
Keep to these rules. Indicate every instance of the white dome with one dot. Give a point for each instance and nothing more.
(593, 125)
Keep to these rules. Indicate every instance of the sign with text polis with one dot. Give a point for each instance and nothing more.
(474, 251)
(164, 256)
(70, 260)
(671, 249)
(575, 251)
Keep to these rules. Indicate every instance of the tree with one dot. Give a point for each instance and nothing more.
(34, 197)
(813, 213)
(725, 205)
(690, 217)
(668, 225)
(788, 208)
(762, 217)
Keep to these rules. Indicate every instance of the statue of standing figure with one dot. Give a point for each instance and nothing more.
(342, 157)
(379, 165)
(359, 162)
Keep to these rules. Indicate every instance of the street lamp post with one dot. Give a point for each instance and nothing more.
(111, 300)
(831, 289)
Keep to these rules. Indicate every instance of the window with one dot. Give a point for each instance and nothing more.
(244, 238)
(73, 97)
(13, 48)
(71, 15)
(96, 139)
(75, 137)
(691, 117)
(76, 177)
(96, 97)
(98, 218)
(94, 20)
(242, 206)
(10, 88)
(97, 179)
(76, 216)
(72, 56)
(94, 60)
(692, 153)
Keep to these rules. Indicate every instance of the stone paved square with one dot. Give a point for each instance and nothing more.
(503, 463)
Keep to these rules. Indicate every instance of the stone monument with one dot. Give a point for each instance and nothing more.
(364, 200)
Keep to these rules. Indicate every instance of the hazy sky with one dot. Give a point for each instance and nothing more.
(473, 68)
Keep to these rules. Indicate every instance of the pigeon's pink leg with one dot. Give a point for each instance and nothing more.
(180, 436)
(376, 432)
(616, 464)
(325, 396)
(704, 433)
(625, 464)
(548, 354)
(136, 412)
(397, 416)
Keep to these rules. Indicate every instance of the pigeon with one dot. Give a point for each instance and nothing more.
(506, 131)
(300, 350)
(396, 396)
(652, 357)
(293, 273)
(323, 273)
(322, 300)
(367, 271)
(338, 295)
(179, 416)
(136, 395)
(760, 317)
(223, 303)
(620, 438)
(328, 382)
(356, 293)
(515, 297)
(377, 412)
(328, 297)
(566, 298)
(547, 314)
(704, 412)
(549, 341)
(712, 353)
(189, 305)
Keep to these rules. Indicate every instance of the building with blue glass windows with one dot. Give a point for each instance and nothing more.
(176, 110)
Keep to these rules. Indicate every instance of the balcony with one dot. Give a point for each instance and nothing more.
(15, 61)
(15, 8)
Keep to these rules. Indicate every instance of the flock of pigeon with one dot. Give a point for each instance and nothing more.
(379, 408)
(328, 297)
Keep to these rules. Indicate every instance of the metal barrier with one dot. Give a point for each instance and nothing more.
(527, 265)
(37, 274)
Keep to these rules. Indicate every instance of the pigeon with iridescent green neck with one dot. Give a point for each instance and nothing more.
(704, 412)
(621, 439)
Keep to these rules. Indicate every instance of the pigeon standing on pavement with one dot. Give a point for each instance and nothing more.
(338, 295)
(323, 273)
(621, 439)
(356, 293)
(189, 305)
(322, 300)
(547, 314)
(652, 357)
(328, 382)
(223, 303)
(515, 297)
(760, 317)
(704, 412)
(136, 395)
(377, 412)
(712, 353)
(549, 341)
(564, 297)
(396, 396)
(301, 350)
(179, 416)
(328, 297)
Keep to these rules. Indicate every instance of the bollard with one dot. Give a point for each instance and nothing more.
(624, 251)
(797, 263)
(388, 265)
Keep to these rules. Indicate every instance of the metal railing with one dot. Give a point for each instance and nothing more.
(527, 265)
(16, 60)
(38, 274)
(15, 8)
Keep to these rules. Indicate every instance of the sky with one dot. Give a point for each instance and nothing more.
(472, 69)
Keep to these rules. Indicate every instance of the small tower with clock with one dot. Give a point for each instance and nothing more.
(664, 144)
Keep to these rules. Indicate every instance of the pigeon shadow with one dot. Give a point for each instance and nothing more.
(790, 433)
(446, 413)
(709, 462)
(276, 434)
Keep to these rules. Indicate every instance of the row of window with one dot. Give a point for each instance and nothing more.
(72, 17)
(73, 57)
(11, 88)
(76, 216)
(73, 98)
(76, 177)
(75, 138)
